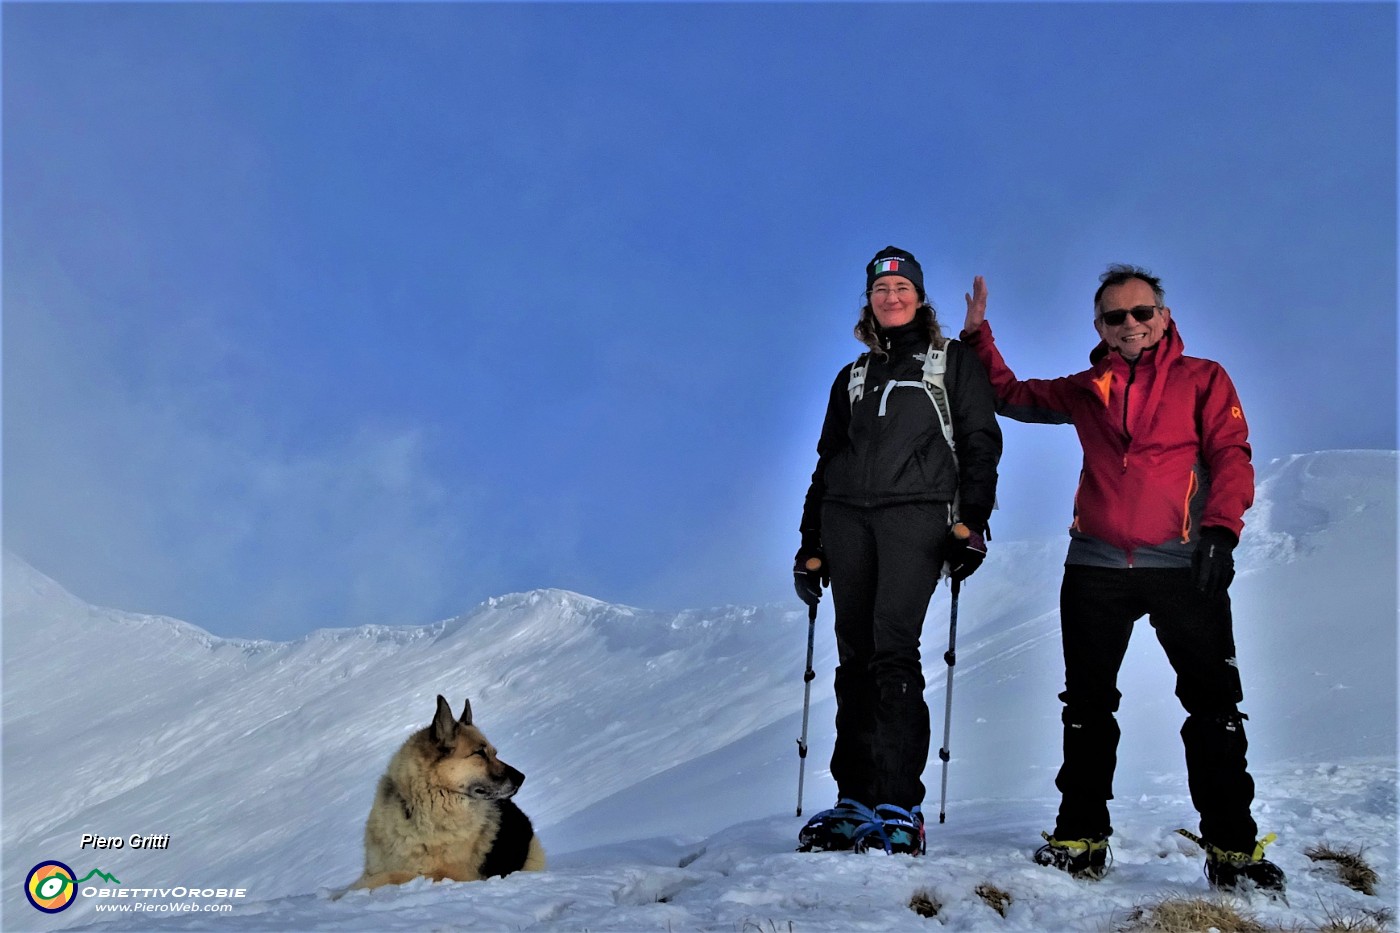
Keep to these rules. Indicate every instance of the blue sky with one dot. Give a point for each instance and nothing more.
(319, 315)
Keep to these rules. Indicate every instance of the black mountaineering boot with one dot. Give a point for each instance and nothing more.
(834, 830)
(1081, 858)
(1231, 871)
(893, 830)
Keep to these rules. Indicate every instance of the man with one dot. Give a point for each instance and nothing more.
(1166, 480)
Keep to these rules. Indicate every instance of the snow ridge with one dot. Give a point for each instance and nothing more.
(659, 747)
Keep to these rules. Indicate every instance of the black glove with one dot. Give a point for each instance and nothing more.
(966, 551)
(809, 574)
(1213, 564)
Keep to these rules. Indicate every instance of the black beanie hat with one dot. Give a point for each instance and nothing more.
(894, 261)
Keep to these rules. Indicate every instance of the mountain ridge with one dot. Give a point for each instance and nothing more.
(109, 726)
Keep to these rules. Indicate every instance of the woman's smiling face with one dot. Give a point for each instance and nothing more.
(894, 299)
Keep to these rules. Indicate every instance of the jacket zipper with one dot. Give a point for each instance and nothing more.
(877, 432)
(1127, 392)
(1127, 435)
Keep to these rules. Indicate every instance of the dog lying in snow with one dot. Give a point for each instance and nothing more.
(442, 810)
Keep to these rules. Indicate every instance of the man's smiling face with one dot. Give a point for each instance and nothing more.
(1132, 336)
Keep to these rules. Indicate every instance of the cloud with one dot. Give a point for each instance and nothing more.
(145, 486)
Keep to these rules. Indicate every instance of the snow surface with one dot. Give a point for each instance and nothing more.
(661, 750)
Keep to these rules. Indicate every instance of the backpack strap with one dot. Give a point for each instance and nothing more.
(855, 385)
(935, 365)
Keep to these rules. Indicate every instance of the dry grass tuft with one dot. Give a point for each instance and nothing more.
(1362, 921)
(995, 897)
(924, 903)
(1350, 866)
(1190, 915)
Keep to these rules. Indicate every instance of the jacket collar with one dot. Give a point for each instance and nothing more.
(1099, 378)
(1168, 350)
(906, 338)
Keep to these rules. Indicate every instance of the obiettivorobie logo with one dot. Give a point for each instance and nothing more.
(52, 886)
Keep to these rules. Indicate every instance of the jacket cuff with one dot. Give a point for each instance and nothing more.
(1222, 535)
(975, 517)
(974, 337)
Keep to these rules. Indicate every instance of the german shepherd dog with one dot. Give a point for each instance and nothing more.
(443, 810)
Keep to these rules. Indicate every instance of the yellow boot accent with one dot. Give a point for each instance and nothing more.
(1226, 855)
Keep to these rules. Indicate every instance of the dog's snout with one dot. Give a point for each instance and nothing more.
(506, 774)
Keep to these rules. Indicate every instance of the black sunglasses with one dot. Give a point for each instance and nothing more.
(1142, 314)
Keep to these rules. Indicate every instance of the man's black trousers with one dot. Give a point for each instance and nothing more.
(1098, 607)
(884, 565)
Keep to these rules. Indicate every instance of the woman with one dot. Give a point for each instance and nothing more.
(890, 505)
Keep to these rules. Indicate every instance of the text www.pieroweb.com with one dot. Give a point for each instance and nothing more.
(185, 900)
(175, 908)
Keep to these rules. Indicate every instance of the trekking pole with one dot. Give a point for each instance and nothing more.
(807, 678)
(952, 658)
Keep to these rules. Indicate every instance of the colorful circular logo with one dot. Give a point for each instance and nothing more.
(50, 887)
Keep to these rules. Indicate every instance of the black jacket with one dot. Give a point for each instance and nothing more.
(865, 458)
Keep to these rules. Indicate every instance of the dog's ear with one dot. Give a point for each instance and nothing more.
(444, 726)
(466, 717)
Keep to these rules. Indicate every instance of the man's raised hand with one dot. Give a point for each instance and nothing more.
(976, 306)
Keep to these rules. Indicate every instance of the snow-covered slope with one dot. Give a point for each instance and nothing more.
(120, 720)
(259, 758)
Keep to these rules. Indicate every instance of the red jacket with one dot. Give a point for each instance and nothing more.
(1166, 448)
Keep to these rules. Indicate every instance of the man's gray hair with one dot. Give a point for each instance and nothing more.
(1118, 273)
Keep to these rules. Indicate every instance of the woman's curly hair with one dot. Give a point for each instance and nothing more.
(868, 329)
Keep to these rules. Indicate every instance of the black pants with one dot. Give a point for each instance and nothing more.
(884, 567)
(1098, 607)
